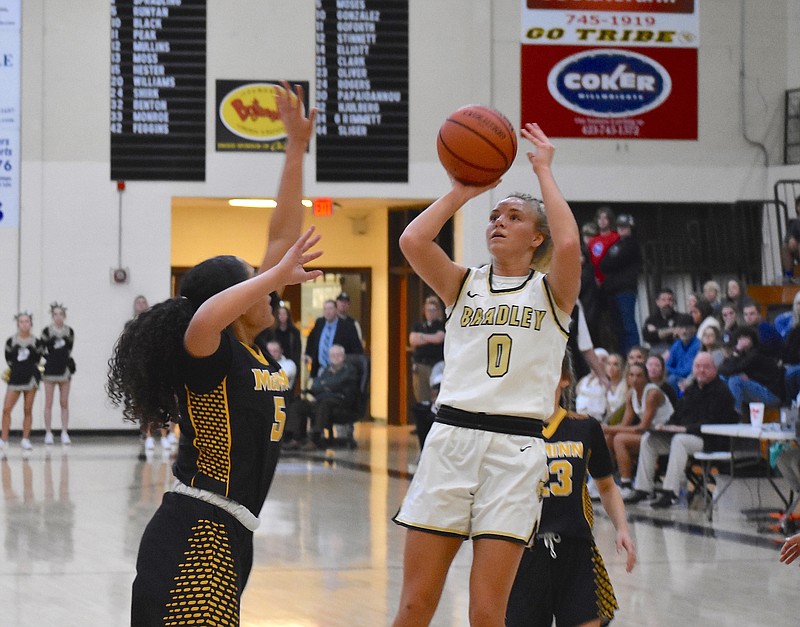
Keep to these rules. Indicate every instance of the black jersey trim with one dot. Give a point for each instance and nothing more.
(518, 288)
(435, 530)
(496, 423)
(553, 308)
(499, 536)
(461, 287)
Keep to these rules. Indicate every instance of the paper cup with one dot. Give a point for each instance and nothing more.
(757, 414)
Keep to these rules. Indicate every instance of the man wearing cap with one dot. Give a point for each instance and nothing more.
(682, 352)
(621, 266)
(343, 311)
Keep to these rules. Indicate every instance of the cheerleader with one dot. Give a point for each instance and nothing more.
(23, 353)
(57, 342)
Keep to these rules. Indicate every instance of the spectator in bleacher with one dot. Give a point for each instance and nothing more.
(600, 243)
(657, 373)
(751, 374)
(790, 251)
(645, 407)
(791, 352)
(286, 333)
(343, 311)
(636, 355)
(703, 315)
(711, 343)
(275, 349)
(591, 391)
(769, 339)
(706, 401)
(731, 321)
(589, 296)
(621, 266)
(659, 329)
(333, 395)
(736, 293)
(682, 352)
(617, 388)
(712, 292)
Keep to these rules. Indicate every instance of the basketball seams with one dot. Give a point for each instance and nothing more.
(476, 144)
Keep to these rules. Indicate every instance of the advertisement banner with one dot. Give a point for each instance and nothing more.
(247, 116)
(10, 77)
(610, 70)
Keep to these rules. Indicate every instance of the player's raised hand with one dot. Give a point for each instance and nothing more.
(542, 156)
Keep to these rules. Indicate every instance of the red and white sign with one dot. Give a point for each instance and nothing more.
(625, 69)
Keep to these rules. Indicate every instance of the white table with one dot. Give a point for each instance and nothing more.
(770, 431)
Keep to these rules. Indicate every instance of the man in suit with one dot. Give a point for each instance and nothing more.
(330, 329)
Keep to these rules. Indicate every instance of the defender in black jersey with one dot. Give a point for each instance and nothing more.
(563, 575)
(194, 360)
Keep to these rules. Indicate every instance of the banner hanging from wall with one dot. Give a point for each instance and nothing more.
(247, 115)
(616, 70)
(10, 81)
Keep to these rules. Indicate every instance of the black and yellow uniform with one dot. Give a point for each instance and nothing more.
(563, 575)
(57, 345)
(196, 553)
(23, 357)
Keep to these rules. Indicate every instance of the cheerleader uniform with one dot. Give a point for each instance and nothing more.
(197, 551)
(563, 575)
(23, 357)
(57, 345)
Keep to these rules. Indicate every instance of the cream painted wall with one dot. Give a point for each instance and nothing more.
(69, 227)
(242, 232)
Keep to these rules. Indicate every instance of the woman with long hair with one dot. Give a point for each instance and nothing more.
(617, 388)
(645, 406)
(506, 333)
(23, 354)
(57, 342)
(193, 360)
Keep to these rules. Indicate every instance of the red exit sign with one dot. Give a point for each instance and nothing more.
(323, 207)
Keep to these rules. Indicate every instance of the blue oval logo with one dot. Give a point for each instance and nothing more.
(609, 83)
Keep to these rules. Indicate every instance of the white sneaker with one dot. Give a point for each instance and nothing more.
(65, 437)
(149, 443)
(172, 439)
(48, 437)
(26, 445)
(626, 492)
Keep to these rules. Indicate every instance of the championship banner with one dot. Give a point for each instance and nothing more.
(616, 70)
(10, 81)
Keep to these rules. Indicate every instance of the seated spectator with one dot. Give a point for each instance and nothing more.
(659, 328)
(657, 373)
(590, 393)
(275, 350)
(711, 343)
(706, 401)
(682, 352)
(617, 389)
(731, 320)
(334, 391)
(703, 316)
(770, 341)
(791, 352)
(790, 251)
(636, 355)
(712, 292)
(736, 294)
(752, 376)
(691, 300)
(646, 406)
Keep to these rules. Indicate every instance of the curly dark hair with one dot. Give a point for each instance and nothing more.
(144, 372)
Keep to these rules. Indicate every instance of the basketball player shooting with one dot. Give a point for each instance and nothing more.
(506, 335)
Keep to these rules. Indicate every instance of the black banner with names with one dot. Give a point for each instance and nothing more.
(362, 90)
(158, 90)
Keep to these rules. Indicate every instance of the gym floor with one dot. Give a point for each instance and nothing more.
(327, 553)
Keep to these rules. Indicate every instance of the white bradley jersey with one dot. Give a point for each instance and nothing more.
(503, 348)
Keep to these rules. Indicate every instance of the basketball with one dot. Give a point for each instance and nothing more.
(476, 145)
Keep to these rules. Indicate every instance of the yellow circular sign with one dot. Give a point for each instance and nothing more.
(249, 111)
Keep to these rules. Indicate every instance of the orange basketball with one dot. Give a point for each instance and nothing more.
(476, 145)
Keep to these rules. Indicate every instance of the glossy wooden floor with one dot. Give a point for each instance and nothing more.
(327, 553)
